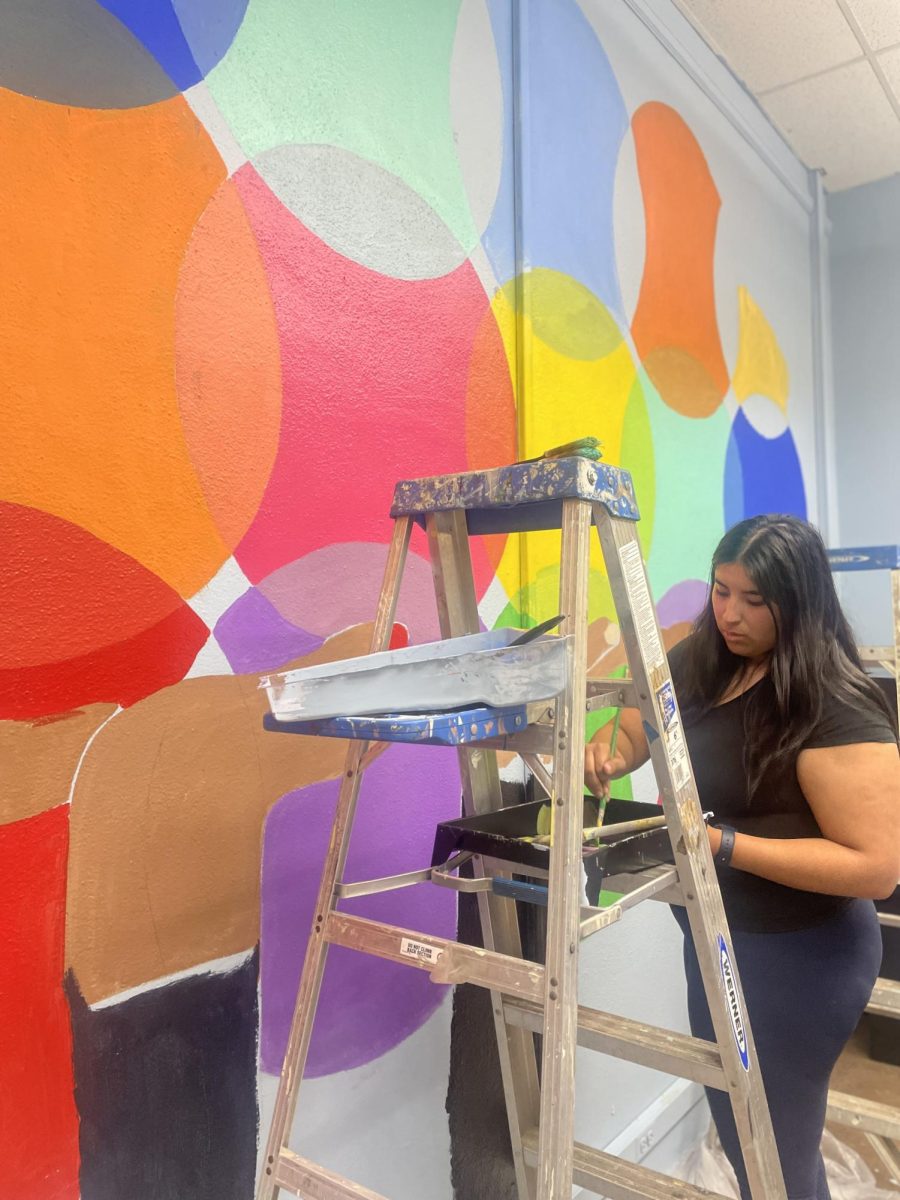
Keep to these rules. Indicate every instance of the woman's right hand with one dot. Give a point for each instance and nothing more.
(601, 767)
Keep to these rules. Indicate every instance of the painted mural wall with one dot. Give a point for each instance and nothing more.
(261, 259)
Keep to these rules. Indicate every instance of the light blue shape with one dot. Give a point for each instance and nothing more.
(689, 464)
(573, 120)
(209, 26)
(733, 485)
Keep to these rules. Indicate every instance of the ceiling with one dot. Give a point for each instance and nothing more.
(827, 73)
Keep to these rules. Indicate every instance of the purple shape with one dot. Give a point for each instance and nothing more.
(367, 1005)
(682, 602)
(254, 636)
(338, 585)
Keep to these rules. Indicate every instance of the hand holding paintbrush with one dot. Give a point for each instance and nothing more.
(602, 764)
(597, 779)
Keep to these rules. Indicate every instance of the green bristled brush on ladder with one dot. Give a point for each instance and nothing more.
(586, 447)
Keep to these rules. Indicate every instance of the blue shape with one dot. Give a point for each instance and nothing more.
(186, 37)
(762, 475)
(573, 120)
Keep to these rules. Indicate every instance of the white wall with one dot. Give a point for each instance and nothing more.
(865, 302)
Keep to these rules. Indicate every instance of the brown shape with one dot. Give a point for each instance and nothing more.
(40, 759)
(604, 659)
(166, 828)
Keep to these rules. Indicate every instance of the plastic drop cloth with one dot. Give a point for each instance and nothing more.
(848, 1176)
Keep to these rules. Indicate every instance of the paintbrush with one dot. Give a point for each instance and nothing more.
(602, 833)
(586, 447)
(545, 815)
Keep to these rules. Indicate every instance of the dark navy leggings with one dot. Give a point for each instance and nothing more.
(804, 992)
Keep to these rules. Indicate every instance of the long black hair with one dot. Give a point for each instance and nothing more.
(814, 654)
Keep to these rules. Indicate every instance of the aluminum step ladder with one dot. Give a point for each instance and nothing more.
(570, 494)
(879, 1122)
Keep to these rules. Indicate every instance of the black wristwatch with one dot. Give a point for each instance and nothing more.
(722, 857)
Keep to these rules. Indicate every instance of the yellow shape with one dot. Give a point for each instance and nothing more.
(564, 314)
(761, 369)
(560, 398)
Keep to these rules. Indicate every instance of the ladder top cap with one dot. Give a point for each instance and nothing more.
(519, 497)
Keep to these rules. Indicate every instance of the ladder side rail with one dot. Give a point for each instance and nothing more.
(696, 871)
(332, 870)
(556, 1143)
(451, 564)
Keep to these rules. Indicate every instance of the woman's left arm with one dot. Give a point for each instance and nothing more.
(854, 794)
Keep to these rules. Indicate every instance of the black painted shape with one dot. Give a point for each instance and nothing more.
(78, 54)
(165, 1085)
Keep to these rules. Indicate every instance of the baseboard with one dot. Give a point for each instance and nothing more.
(663, 1133)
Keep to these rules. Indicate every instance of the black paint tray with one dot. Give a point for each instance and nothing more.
(495, 835)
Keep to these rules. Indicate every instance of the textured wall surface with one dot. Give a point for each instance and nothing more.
(261, 258)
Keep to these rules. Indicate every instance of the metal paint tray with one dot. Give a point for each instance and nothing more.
(495, 835)
(480, 669)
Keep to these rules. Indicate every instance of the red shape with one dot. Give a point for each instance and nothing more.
(80, 621)
(38, 1119)
(375, 373)
(399, 637)
(119, 674)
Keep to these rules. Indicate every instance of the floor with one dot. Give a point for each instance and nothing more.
(860, 1075)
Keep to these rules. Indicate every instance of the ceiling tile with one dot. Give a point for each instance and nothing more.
(879, 21)
(768, 43)
(889, 62)
(842, 121)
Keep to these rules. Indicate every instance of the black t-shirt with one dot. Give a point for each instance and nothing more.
(779, 808)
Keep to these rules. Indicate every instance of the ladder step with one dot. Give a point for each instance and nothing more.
(445, 961)
(868, 1115)
(617, 1179)
(621, 1037)
(885, 1001)
(314, 1182)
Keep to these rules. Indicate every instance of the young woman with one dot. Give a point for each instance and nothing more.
(795, 752)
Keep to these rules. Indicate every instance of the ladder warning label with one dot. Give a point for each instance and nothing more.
(734, 1004)
(641, 606)
(676, 750)
(667, 707)
(420, 950)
